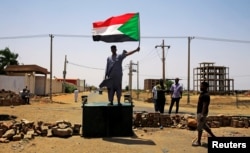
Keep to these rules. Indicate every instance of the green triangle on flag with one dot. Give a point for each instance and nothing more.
(131, 28)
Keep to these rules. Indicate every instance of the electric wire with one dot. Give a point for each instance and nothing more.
(221, 39)
(84, 66)
(27, 36)
(145, 37)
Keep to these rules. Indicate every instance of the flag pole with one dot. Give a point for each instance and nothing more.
(139, 29)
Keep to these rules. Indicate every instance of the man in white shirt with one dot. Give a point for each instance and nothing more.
(76, 94)
(176, 94)
(154, 92)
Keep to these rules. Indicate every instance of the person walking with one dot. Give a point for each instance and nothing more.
(113, 74)
(202, 112)
(76, 91)
(176, 94)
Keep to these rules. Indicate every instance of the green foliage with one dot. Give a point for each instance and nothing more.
(7, 58)
(169, 83)
(69, 88)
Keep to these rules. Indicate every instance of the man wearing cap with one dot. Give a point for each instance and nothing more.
(113, 74)
(176, 94)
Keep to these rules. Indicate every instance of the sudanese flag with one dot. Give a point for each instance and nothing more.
(117, 28)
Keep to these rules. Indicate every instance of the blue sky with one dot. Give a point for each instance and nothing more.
(170, 20)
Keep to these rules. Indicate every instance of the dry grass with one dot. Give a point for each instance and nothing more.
(215, 99)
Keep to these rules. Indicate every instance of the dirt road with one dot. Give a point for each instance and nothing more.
(145, 140)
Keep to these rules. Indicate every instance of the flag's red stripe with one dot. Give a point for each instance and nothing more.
(113, 20)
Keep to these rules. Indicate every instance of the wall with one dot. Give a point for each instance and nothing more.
(56, 86)
(12, 83)
(35, 83)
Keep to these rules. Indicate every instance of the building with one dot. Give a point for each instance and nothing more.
(35, 78)
(216, 76)
(80, 84)
(150, 83)
(32, 76)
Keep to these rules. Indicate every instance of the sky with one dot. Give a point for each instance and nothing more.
(220, 29)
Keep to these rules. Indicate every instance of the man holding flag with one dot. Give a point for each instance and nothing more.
(116, 29)
(113, 74)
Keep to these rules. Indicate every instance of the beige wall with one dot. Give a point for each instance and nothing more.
(12, 83)
(35, 83)
(56, 86)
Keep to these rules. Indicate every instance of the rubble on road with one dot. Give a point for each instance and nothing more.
(25, 129)
(10, 98)
(186, 121)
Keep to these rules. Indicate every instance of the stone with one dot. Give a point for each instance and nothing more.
(17, 137)
(49, 133)
(67, 132)
(4, 140)
(77, 129)
(192, 123)
(1, 132)
(9, 133)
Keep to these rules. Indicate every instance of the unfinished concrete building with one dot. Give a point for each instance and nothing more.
(216, 76)
(150, 83)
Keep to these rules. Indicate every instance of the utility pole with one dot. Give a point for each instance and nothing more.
(64, 73)
(137, 80)
(188, 81)
(51, 72)
(163, 58)
(130, 78)
(131, 70)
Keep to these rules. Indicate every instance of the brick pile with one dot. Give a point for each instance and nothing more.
(145, 119)
(10, 98)
(228, 121)
(24, 129)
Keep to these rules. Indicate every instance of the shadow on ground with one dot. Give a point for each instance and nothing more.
(130, 141)
(6, 117)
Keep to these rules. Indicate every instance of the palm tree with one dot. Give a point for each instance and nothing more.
(7, 58)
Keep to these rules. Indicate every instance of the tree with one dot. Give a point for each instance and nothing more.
(169, 83)
(7, 58)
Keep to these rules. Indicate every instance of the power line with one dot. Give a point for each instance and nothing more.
(149, 56)
(79, 36)
(221, 39)
(85, 66)
(73, 35)
(28, 36)
(158, 54)
(164, 37)
(145, 37)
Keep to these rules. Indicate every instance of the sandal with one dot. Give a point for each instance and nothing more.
(196, 143)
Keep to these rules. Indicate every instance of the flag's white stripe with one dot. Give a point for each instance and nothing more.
(110, 30)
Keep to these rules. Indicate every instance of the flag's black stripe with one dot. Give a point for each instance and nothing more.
(112, 38)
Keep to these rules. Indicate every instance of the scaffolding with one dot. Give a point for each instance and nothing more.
(216, 76)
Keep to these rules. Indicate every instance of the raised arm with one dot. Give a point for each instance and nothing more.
(132, 52)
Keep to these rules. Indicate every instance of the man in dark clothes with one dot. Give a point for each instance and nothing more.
(161, 98)
(202, 112)
(25, 95)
